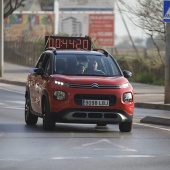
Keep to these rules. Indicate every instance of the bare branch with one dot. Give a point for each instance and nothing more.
(157, 47)
(147, 15)
(11, 5)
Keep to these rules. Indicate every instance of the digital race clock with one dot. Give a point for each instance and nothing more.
(68, 42)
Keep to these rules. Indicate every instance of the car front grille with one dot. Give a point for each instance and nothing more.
(79, 97)
(95, 115)
(89, 86)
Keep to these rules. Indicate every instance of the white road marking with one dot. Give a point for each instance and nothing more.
(109, 142)
(7, 105)
(131, 156)
(8, 159)
(154, 94)
(15, 108)
(71, 157)
(109, 156)
(17, 102)
(152, 126)
(10, 90)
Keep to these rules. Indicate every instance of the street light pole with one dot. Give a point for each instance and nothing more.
(1, 37)
(167, 65)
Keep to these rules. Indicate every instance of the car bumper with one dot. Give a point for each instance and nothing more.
(91, 116)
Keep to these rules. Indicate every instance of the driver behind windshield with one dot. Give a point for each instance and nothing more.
(92, 68)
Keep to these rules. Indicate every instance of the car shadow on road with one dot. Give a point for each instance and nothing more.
(59, 128)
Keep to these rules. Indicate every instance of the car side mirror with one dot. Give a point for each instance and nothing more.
(39, 71)
(127, 74)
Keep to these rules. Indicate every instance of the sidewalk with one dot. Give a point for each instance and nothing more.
(146, 96)
(14, 74)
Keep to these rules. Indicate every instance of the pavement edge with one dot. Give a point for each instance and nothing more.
(153, 106)
(13, 82)
(156, 120)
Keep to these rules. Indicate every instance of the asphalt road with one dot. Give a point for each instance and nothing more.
(78, 146)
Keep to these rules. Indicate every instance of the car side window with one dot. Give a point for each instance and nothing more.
(44, 62)
(40, 61)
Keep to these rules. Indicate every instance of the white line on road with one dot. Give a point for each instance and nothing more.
(109, 142)
(153, 94)
(10, 90)
(108, 156)
(152, 126)
(71, 157)
(131, 156)
(17, 102)
(6, 105)
(11, 159)
(15, 108)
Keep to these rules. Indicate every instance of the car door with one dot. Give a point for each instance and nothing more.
(33, 88)
(41, 82)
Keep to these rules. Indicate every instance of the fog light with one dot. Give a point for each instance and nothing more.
(59, 95)
(127, 97)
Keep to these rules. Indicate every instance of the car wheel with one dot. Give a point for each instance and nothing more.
(48, 123)
(30, 119)
(125, 126)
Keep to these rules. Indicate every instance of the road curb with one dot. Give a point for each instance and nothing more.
(153, 106)
(156, 120)
(13, 82)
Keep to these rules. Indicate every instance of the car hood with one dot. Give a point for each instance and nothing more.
(90, 79)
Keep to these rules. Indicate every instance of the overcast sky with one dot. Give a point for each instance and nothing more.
(121, 30)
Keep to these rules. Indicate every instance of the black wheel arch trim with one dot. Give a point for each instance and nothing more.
(46, 94)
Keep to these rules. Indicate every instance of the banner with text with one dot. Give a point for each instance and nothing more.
(101, 28)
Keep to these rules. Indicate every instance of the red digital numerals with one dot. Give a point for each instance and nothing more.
(69, 43)
(72, 43)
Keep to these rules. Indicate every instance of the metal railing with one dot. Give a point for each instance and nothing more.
(23, 50)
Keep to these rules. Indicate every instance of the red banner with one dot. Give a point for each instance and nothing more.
(101, 29)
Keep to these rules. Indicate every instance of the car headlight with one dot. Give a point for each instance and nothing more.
(60, 83)
(127, 97)
(59, 95)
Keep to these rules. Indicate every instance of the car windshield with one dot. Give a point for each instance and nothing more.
(85, 64)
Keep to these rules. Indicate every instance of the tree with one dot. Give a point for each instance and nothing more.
(11, 5)
(147, 15)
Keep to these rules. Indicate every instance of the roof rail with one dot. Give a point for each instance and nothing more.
(52, 49)
(105, 52)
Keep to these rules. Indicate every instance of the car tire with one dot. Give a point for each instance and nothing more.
(48, 123)
(125, 126)
(30, 119)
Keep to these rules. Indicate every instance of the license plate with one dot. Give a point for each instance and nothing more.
(86, 102)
